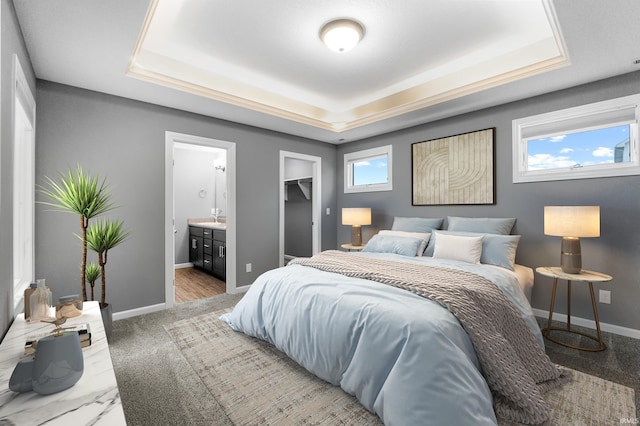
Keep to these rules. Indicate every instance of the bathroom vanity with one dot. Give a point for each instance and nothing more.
(207, 247)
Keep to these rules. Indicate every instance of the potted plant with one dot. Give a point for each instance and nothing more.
(83, 195)
(88, 196)
(102, 236)
(92, 275)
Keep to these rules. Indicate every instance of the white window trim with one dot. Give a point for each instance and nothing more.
(24, 105)
(353, 157)
(581, 113)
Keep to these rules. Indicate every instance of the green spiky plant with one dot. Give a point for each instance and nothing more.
(92, 274)
(82, 194)
(102, 236)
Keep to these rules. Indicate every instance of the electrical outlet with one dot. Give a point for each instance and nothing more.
(605, 296)
(328, 211)
(248, 268)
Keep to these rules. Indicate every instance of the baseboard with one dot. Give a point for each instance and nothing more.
(242, 289)
(139, 311)
(159, 307)
(610, 328)
(182, 265)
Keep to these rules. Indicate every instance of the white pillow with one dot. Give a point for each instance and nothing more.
(424, 236)
(456, 247)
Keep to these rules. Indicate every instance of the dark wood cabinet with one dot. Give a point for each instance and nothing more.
(220, 254)
(196, 248)
(208, 250)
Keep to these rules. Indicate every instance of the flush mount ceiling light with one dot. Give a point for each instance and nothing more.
(341, 35)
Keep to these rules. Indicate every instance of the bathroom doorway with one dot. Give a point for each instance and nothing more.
(199, 187)
(200, 197)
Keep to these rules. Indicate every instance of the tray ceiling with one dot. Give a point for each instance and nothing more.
(263, 63)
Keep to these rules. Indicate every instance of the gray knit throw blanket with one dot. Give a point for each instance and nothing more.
(514, 365)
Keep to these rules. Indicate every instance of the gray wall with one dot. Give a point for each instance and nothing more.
(123, 140)
(11, 42)
(616, 252)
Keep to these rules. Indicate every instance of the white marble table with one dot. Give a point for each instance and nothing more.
(93, 400)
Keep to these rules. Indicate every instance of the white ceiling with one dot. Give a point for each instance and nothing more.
(262, 63)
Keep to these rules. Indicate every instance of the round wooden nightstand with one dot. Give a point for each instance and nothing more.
(584, 276)
(351, 247)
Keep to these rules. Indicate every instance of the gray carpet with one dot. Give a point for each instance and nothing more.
(619, 363)
(158, 387)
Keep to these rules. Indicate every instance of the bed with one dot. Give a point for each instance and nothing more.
(404, 356)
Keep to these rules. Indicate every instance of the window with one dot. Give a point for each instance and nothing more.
(595, 140)
(24, 109)
(368, 170)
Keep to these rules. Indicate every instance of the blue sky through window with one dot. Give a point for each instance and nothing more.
(584, 148)
(370, 172)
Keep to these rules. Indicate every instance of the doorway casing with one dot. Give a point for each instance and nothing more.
(230, 148)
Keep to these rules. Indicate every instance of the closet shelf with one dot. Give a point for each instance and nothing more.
(304, 183)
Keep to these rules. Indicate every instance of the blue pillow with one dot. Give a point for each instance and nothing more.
(499, 250)
(485, 225)
(424, 236)
(405, 246)
(416, 224)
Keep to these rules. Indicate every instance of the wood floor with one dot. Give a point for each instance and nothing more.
(194, 284)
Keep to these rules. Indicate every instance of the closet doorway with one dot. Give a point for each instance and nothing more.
(300, 206)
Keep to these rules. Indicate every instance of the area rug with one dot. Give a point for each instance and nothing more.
(256, 384)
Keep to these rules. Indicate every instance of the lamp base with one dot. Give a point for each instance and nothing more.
(356, 235)
(571, 256)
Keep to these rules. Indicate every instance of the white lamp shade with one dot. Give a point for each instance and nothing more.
(572, 221)
(356, 216)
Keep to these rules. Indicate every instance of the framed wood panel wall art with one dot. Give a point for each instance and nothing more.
(457, 169)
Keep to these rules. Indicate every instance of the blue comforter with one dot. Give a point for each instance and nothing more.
(405, 358)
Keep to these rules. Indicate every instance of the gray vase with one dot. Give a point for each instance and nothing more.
(57, 365)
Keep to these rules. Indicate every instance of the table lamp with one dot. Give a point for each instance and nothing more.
(571, 223)
(356, 217)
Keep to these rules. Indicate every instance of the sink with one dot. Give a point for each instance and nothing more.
(212, 225)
